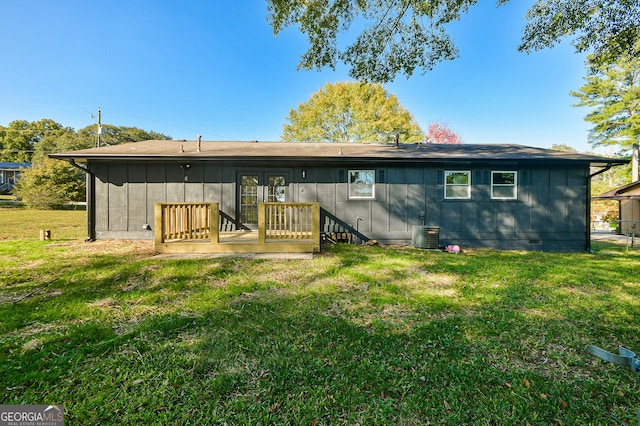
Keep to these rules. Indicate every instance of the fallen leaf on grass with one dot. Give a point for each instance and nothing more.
(31, 346)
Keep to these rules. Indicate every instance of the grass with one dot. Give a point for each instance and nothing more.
(358, 335)
(25, 224)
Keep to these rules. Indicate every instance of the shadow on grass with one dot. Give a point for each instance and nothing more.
(358, 335)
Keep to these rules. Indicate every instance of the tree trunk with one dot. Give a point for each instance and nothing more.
(634, 163)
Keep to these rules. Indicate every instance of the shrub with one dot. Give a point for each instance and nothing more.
(49, 184)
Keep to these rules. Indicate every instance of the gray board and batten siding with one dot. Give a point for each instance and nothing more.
(548, 208)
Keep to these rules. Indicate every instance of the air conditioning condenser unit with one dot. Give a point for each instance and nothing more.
(426, 237)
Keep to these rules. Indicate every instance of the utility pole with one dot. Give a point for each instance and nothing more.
(99, 132)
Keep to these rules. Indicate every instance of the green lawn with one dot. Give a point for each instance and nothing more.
(20, 223)
(358, 335)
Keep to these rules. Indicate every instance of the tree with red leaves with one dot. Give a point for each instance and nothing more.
(441, 134)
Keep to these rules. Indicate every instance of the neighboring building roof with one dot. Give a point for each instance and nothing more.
(354, 152)
(626, 192)
(7, 165)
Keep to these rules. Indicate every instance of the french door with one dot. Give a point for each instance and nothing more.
(258, 187)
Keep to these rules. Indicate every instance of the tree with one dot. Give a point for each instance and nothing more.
(67, 141)
(608, 27)
(603, 182)
(114, 135)
(612, 91)
(19, 139)
(49, 184)
(441, 134)
(400, 36)
(562, 147)
(351, 112)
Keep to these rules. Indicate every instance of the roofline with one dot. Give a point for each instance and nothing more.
(618, 193)
(343, 160)
(616, 197)
(346, 153)
(13, 165)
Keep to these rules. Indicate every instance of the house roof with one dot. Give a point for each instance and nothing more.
(288, 152)
(8, 165)
(626, 192)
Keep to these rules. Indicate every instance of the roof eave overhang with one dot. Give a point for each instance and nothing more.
(332, 159)
(616, 197)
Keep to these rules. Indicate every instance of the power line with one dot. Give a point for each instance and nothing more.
(173, 125)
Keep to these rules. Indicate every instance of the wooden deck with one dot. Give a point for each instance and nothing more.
(195, 228)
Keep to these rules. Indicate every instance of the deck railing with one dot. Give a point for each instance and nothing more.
(288, 221)
(280, 222)
(186, 221)
(283, 223)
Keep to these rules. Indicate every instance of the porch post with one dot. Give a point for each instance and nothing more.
(214, 219)
(262, 223)
(158, 225)
(315, 219)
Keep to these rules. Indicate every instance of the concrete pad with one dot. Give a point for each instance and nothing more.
(608, 236)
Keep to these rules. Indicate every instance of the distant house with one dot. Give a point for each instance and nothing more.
(9, 175)
(496, 196)
(628, 197)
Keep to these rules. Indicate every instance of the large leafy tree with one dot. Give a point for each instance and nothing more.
(612, 91)
(113, 135)
(400, 36)
(67, 141)
(351, 112)
(440, 134)
(19, 139)
(563, 147)
(50, 183)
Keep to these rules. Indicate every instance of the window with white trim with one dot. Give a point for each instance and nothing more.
(457, 184)
(504, 185)
(277, 187)
(362, 184)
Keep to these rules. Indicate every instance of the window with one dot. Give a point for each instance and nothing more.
(504, 185)
(362, 184)
(457, 184)
(249, 199)
(277, 186)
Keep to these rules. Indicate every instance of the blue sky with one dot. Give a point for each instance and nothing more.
(214, 68)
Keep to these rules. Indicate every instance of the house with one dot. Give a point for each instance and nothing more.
(496, 196)
(9, 175)
(628, 197)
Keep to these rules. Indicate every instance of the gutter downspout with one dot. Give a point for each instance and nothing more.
(608, 167)
(91, 197)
